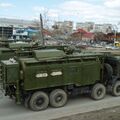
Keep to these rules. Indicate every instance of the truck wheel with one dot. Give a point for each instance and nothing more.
(58, 98)
(39, 101)
(116, 89)
(98, 91)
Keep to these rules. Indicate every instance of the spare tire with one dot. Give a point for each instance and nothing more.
(108, 71)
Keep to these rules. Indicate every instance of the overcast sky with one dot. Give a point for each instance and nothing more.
(100, 11)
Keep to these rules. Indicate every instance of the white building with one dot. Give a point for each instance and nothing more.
(65, 26)
(87, 26)
(105, 28)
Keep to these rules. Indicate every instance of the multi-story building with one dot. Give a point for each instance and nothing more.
(104, 28)
(6, 32)
(87, 26)
(66, 26)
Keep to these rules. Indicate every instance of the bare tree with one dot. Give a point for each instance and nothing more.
(46, 20)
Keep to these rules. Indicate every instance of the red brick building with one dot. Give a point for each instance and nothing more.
(82, 35)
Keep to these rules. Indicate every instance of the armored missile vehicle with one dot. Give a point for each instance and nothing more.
(50, 76)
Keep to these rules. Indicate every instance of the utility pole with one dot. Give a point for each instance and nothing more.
(41, 30)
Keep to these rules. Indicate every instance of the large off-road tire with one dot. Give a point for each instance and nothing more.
(98, 91)
(39, 101)
(58, 98)
(116, 89)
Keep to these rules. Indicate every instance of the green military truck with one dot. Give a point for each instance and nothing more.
(50, 76)
(24, 49)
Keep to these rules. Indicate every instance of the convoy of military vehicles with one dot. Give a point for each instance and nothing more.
(41, 76)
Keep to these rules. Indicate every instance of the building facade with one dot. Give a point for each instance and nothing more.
(65, 27)
(104, 28)
(87, 26)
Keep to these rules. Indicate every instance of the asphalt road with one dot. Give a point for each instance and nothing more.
(10, 111)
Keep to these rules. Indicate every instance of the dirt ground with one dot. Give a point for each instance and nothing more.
(105, 114)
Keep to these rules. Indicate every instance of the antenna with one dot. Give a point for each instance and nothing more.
(41, 29)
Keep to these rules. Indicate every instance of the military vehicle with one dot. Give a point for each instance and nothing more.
(24, 49)
(50, 76)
